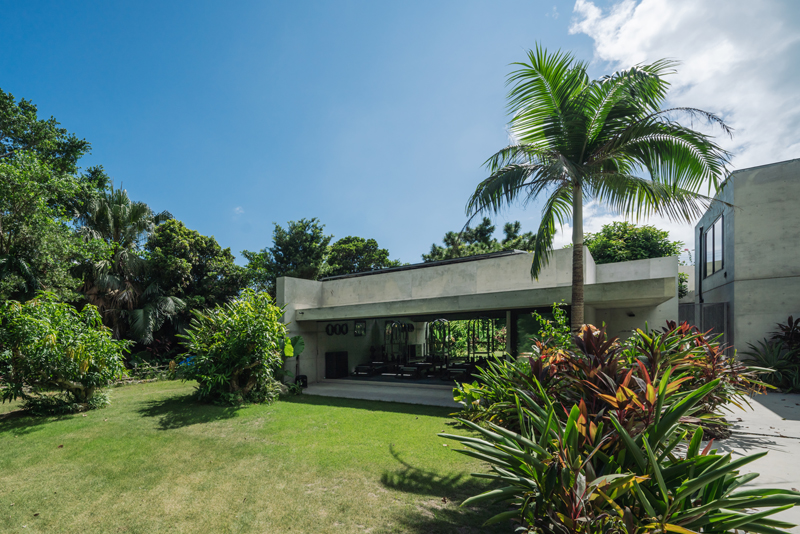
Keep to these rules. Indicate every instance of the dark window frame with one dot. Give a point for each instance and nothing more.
(712, 233)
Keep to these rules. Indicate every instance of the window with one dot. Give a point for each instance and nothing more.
(713, 244)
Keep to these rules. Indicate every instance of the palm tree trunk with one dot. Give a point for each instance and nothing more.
(577, 258)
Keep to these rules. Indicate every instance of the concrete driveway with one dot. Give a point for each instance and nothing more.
(772, 425)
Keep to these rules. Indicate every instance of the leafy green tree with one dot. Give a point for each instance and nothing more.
(625, 241)
(192, 267)
(577, 139)
(46, 344)
(22, 131)
(356, 255)
(121, 286)
(37, 244)
(298, 251)
(480, 240)
(42, 191)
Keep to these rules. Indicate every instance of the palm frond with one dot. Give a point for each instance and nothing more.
(557, 210)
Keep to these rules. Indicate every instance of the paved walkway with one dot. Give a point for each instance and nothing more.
(772, 425)
(382, 391)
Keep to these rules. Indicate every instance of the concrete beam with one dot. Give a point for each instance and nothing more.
(610, 295)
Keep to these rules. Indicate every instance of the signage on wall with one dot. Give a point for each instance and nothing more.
(359, 328)
(336, 329)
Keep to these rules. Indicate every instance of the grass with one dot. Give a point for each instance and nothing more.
(154, 461)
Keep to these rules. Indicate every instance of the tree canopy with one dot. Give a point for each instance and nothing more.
(480, 240)
(625, 241)
(356, 255)
(298, 251)
(192, 266)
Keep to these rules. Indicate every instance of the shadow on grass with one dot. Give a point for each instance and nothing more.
(371, 405)
(442, 513)
(20, 422)
(184, 410)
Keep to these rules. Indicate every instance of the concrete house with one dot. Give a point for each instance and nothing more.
(345, 320)
(747, 272)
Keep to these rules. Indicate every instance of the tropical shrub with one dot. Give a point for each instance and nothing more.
(625, 241)
(788, 332)
(585, 476)
(606, 374)
(237, 350)
(781, 364)
(779, 356)
(49, 346)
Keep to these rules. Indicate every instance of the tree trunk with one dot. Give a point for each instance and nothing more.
(577, 258)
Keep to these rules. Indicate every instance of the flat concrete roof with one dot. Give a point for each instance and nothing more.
(608, 295)
(425, 265)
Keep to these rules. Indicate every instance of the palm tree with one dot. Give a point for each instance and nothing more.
(576, 139)
(119, 286)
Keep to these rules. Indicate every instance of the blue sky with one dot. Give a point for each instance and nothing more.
(374, 117)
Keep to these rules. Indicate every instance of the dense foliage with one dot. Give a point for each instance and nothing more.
(21, 130)
(779, 355)
(48, 345)
(236, 350)
(122, 286)
(624, 241)
(585, 434)
(297, 251)
(577, 472)
(192, 267)
(356, 255)
(37, 244)
(480, 240)
(606, 373)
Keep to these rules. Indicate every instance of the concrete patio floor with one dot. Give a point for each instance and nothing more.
(773, 425)
(385, 391)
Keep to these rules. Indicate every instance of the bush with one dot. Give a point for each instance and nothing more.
(237, 350)
(780, 364)
(610, 376)
(47, 345)
(591, 474)
(779, 356)
(585, 434)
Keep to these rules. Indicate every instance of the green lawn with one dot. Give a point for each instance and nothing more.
(154, 461)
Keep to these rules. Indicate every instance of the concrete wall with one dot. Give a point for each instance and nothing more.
(622, 321)
(766, 249)
(294, 293)
(760, 280)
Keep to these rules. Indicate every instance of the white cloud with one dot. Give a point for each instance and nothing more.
(738, 59)
(238, 210)
(554, 13)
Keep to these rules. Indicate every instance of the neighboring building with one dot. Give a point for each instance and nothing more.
(747, 272)
(349, 314)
